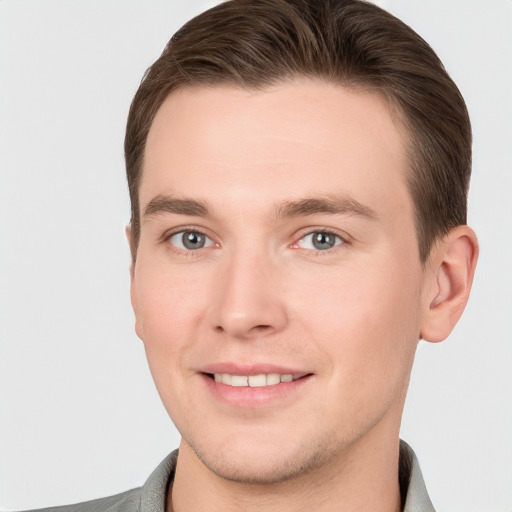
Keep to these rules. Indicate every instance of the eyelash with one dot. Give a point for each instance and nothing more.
(318, 252)
(166, 238)
(325, 231)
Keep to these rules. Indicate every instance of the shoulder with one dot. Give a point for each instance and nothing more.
(151, 497)
(128, 501)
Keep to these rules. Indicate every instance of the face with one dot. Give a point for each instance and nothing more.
(277, 288)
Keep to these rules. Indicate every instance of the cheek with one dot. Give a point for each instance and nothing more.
(168, 314)
(366, 321)
(168, 309)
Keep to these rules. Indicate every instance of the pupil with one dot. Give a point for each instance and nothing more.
(192, 240)
(323, 241)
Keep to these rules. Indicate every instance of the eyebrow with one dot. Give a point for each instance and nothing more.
(334, 205)
(168, 204)
(329, 204)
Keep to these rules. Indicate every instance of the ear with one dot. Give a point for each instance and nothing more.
(128, 233)
(449, 275)
(133, 287)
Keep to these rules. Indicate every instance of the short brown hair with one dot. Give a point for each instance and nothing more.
(256, 43)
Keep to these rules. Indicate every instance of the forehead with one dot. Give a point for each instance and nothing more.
(292, 139)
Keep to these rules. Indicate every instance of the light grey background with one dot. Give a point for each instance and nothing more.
(79, 415)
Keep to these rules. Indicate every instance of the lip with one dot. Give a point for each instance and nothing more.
(247, 397)
(251, 369)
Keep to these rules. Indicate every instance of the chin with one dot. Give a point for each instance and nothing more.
(259, 463)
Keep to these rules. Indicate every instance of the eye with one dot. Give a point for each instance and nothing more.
(320, 241)
(190, 240)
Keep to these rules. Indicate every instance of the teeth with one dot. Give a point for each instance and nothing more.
(273, 379)
(255, 381)
(239, 380)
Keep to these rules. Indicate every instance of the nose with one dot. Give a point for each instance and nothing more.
(248, 301)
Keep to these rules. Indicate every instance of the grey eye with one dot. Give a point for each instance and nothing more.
(190, 240)
(320, 241)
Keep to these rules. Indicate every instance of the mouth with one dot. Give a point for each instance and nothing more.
(255, 381)
(255, 385)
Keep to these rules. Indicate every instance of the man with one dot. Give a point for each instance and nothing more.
(298, 173)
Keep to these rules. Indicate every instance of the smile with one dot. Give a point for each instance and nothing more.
(255, 381)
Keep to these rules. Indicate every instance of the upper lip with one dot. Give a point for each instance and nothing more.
(249, 369)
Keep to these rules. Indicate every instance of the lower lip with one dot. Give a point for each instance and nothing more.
(249, 397)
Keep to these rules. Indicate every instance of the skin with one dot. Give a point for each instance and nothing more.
(259, 292)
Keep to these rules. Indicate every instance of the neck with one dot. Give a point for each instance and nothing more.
(364, 478)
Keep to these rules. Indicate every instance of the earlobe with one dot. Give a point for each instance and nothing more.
(452, 267)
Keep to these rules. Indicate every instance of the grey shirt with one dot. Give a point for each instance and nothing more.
(151, 497)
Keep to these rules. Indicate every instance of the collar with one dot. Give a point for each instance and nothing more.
(412, 486)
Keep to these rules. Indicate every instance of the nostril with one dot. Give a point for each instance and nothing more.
(256, 329)
(261, 328)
